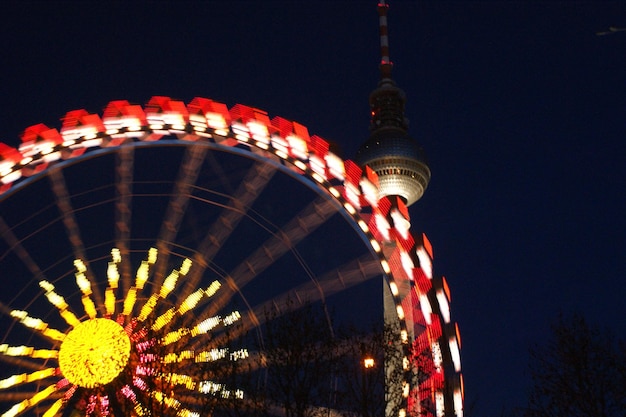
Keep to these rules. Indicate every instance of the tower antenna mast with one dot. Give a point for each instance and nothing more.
(385, 63)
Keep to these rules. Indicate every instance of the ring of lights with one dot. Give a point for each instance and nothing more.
(421, 300)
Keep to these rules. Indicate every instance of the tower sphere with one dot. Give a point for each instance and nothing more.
(397, 159)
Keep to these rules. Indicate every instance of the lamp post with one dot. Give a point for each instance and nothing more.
(367, 373)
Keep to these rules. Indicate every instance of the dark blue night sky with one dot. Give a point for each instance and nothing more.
(519, 105)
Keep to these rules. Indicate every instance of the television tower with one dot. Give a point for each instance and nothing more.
(397, 159)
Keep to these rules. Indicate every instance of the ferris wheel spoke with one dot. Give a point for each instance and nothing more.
(298, 228)
(22, 362)
(17, 396)
(340, 279)
(31, 401)
(187, 177)
(221, 175)
(124, 162)
(241, 200)
(352, 273)
(14, 244)
(64, 205)
(284, 240)
(248, 322)
(24, 378)
(320, 288)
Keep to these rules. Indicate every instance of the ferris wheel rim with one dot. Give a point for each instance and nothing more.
(310, 178)
(266, 224)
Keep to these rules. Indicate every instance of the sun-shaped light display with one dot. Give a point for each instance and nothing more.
(125, 357)
(94, 353)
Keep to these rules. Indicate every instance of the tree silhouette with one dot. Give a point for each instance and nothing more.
(579, 372)
(311, 370)
(299, 354)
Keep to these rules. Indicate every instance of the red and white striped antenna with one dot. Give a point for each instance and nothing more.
(385, 62)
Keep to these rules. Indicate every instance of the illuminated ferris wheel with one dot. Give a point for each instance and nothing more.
(144, 250)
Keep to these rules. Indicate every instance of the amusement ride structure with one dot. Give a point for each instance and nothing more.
(138, 244)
